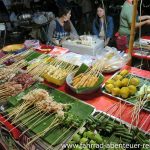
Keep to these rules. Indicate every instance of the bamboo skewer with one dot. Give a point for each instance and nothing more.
(38, 121)
(42, 133)
(137, 109)
(60, 137)
(19, 124)
(144, 122)
(20, 117)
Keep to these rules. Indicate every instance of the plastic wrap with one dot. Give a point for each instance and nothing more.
(114, 59)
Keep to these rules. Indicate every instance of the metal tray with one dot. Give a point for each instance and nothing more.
(121, 99)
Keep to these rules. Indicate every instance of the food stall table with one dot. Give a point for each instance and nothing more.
(103, 102)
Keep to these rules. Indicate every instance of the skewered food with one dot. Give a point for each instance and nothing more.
(143, 98)
(124, 72)
(53, 69)
(116, 91)
(58, 70)
(134, 81)
(11, 58)
(90, 77)
(125, 82)
(132, 89)
(5, 58)
(109, 87)
(103, 129)
(117, 77)
(6, 73)
(124, 92)
(9, 89)
(42, 101)
(87, 81)
(110, 81)
(24, 79)
(39, 104)
(17, 84)
(118, 84)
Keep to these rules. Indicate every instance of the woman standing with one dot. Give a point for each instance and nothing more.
(61, 28)
(126, 19)
(103, 25)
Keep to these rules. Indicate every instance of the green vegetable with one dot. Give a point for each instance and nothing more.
(125, 140)
(85, 134)
(90, 134)
(78, 148)
(81, 131)
(140, 140)
(93, 126)
(124, 135)
(76, 138)
(90, 121)
(86, 149)
(98, 138)
(72, 142)
(83, 140)
(92, 142)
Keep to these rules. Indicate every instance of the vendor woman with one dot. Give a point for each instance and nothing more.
(103, 26)
(126, 19)
(61, 28)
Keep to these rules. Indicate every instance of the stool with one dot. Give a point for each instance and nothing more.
(3, 29)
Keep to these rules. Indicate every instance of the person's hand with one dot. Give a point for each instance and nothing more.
(64, 39)
(106, 43)
(148, 17)
(148, 22)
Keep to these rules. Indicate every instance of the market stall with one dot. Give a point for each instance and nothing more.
(43, 105)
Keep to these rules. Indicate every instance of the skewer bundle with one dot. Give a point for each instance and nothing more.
(56, 69)
(90, 77)
(59, 69)
(11, 58)
(17, 84)
(9, 89)
(6, 57)
(37, 69)
(143, 98)
(38, 105)
(8, 72)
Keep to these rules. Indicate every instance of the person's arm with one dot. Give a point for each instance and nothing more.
(140, 24)
(141, 18)
(73, 33)
(94, 29)
(51, 30)
(110, 29)
(107, 41)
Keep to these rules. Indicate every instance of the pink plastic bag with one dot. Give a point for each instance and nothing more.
(121, 42)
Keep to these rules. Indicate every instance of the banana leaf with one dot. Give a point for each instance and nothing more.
(78, 108)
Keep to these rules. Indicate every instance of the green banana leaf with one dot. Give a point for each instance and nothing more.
(78, 108)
